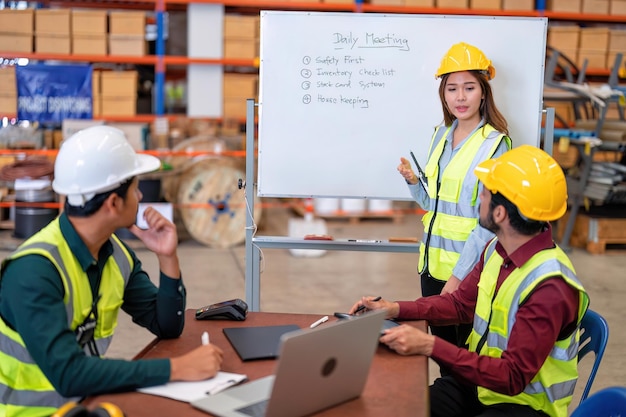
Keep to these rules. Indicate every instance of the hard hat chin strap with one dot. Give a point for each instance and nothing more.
(79, 200)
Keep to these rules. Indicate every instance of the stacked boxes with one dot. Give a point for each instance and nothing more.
(565, 39)
(96, 81)
(518, 4)
(16, 30)
(8, 92)
(118, 92)
(594, 44)
(617, 7)
(419, 3)
(127, 33)
(595, 6)
(567, 6)
(617, 43)
(452, 4)
(486, 4)
(237, 89)
(388, 2)
(89, 32)
(52, 31)
(241, 36)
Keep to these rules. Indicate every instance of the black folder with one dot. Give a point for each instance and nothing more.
(259, 342)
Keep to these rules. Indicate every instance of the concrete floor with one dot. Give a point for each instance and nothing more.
(334, 281)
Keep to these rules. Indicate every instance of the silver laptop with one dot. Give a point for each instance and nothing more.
(317, 368)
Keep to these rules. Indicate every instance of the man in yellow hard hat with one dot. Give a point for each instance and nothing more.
(62, 289)
(523, 299)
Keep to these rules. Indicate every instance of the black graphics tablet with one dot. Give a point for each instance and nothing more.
(259, 342)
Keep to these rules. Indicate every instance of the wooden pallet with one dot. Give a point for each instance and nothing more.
(596, 234)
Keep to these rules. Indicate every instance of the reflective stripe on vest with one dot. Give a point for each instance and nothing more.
(23, 387)
(457, 206)
(552, 388)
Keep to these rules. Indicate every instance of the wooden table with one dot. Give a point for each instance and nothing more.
(396, 386)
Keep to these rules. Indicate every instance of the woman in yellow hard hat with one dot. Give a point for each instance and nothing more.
(473, 131)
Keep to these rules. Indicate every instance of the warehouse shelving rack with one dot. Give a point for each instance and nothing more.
(162, 61)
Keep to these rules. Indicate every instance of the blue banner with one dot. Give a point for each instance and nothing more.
(51, 93)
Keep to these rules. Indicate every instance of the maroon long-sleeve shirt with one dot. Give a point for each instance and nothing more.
(548, 314)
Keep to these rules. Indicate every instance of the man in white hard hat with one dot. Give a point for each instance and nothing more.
(54, 329)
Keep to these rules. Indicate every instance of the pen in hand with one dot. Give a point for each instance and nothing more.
(362, 306)
(205, 338)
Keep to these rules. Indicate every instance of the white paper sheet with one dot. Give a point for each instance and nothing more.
(190, 391)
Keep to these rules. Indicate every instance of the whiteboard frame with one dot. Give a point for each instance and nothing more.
(284, 168)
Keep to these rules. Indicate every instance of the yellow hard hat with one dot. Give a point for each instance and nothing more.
(465, 57)
(529, 178)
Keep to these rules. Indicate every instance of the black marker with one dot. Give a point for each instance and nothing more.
(362, 307)
(421, 174)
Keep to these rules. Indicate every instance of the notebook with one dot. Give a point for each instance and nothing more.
(261, 342)
(317, 368)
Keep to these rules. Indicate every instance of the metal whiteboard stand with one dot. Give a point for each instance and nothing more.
(254, 244)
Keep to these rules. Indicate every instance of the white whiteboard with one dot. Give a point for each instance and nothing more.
(343, 96)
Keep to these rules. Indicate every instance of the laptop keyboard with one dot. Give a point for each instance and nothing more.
(255, 410)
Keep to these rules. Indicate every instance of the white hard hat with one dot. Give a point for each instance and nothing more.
(96, 160)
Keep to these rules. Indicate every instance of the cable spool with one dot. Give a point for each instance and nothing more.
(214, 181)
(209, 179)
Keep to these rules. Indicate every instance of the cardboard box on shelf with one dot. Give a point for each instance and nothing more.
(119, 83)
(17, 21)
(16, 42)
(119, 106)
(241, 26)
(53, 44)
(127, 23)
(564, 111)
(419, 3)
(240, 85)
(452, 4)
(596, 58)
(564, 37)
(241, 48)
(594, 38)
(617, 40)
(8, 80)
(89, 22)
(96, 78)
(136, 133)
(388, 2)
(567, 6)
(71, 126)
(96, 106)
(89, 44)
(595, 6)
(234, 108)
(611, 56)
(570, 53)
(518, 4)
(486, 4)
(8, 103)
(53, 21)
(617, 7)
(128, 45)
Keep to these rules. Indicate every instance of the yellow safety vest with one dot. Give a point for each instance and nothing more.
(552, 388)
(24, 388)
(456, 199)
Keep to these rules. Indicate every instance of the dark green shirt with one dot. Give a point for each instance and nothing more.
(31, 302)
